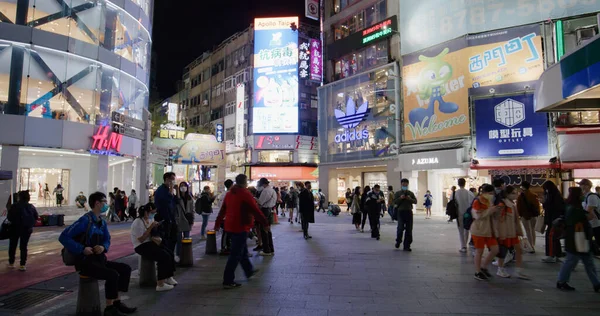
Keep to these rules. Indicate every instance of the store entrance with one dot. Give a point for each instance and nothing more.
(42, 184)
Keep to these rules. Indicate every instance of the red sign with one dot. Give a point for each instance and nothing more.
(106, 140)
(377, 27)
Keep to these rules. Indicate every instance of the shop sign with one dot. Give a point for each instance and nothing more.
(509, 127)
(350, 119)
(196, 149)
(316, 60)
(293, 173)
(219, 133)
(425, 23)
(426, 161)
(443, 159)
(437, 80)
(381, 29)
(165, 133)
(304, 59)
(106, 142)
(376, 32)
(275, 142)
(312, 9)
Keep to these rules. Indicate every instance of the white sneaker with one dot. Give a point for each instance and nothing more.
(549, 260)
(495, 263)
(177, 259)
(463, 250)
(10, 265)
(165, 287)
(265, 254)
(171, 281)
(502, 273)
(522, 276)
(22, 268)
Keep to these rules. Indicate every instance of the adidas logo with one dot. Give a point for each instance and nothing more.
(353, 116)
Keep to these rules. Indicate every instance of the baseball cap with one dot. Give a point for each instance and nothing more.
(263, 181)
(585, 182)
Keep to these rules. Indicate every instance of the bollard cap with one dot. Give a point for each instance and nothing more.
(186, 241)
(211, 232)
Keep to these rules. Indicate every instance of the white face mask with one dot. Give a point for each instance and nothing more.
(183, 189)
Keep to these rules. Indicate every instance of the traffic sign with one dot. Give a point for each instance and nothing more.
(128, 131)
(127, 120)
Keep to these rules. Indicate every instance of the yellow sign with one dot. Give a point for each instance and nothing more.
(165, 133)
(275, 23)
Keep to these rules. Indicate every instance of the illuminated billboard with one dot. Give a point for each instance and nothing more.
(275, 101)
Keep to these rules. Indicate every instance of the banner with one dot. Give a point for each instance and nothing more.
(438, 79)
(509, 127)
(316, 60)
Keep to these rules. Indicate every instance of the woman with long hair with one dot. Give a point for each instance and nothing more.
(355, 208)
(509, 231)
(363, 208)
(578, 239)
(428, 202)
(184, 215)
(554, 207)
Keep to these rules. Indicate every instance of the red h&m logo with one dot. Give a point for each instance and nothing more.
(106, 140)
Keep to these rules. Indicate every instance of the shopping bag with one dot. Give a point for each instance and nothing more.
(540, 225)
(525, 245)
(582, 244)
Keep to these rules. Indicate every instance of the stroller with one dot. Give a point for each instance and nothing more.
(333, 210)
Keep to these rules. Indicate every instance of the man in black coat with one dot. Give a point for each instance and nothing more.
(306, 207)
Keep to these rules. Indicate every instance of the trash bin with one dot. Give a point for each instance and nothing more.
(211, 242)
(187, 256)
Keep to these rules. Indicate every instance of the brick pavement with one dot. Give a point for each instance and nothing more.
(343, 272)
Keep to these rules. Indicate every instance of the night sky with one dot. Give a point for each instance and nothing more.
(183, 32)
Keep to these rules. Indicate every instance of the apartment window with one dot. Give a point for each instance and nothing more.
(205, 118)
(364, 59)
(229, 108)
(361, 19)
(230, 133)
(230, 83)
(206, 74)
(216, 114)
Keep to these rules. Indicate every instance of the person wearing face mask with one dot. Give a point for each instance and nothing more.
(483, 231)
(146, 243)
(374, 203)
(164, 198)
(184, 216)
(80, 200)
(404, 201)
(509, 231)
(93, 262)
(529, 208)
(204, 207)
(499, 186)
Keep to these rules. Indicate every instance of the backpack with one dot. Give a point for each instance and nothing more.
(468, 217)
(596, 209)
(198, 206)
(452, 207)
(322, 197)
(70, 259)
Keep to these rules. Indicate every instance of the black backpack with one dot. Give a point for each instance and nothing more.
(452, 207)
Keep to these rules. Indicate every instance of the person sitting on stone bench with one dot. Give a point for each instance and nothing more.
(146, 241)
(93, 262)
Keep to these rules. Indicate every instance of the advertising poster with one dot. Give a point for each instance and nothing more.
(196, 149)
(275, 102)
(509, 127)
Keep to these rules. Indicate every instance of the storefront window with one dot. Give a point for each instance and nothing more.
(577, 32)
(365, 59)
(578, 118)
(42, 184)
(360, 119)
(275, 156)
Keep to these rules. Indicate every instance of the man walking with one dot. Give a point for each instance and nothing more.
(306, 208)
(404, 200)
(322, 201)
(374, 203)
(266, 202)
(240, 209)
(164, 198)
(591, 203)
(463, 199)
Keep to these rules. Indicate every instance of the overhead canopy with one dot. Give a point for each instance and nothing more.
(573, 84)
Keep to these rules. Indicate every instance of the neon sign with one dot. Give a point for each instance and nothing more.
(376, 31)
(105, 142)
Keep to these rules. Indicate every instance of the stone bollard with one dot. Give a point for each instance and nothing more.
(147, 271)
(88, 297)
(211, 242)
(187, 255)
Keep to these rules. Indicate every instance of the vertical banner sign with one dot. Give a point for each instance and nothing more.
(240, 95)
(304, 60)
(509, 127)
(219, 133)
(275, 101)
(316, 64)
(312, 9)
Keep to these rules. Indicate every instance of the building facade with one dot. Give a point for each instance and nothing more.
(66, 68)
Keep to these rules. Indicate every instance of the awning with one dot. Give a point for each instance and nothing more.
(512, 164)
(573, 84)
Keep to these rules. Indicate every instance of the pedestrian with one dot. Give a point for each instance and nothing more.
(349, 199)
(240, 209)
(483, 231)
(164, 198)
(58, 191)
(204, 208)
(356, 212)
(225, 238)
(93, 262)
(322, 200)
(509, 231)
(404, 201)
(373, 203)
(529, 209)
(554, 208)
(499, 186)
(474, 191)
(132, 204)
(266, 202)
(591, 203)
(578, 238)
(463, 198)
(111, 215)
(120, 205)
(282, 203)
(80, 200)
(390, 199)
(306, 208)
(428, 201)
(291, 203)
(146, 243)
(363, 207)
(22, 217)
(184, 216)
(279, 201)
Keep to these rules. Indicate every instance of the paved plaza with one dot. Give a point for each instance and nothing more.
(344, 272)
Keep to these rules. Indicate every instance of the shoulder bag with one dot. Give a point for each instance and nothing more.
(70, 259)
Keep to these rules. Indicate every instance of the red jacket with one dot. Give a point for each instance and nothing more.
(240, 209)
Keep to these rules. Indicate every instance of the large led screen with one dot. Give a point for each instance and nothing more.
(275, 101)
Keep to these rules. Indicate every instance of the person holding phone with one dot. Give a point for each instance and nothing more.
(146, 243)
(164, 197)
(404, 201)
(375, 202)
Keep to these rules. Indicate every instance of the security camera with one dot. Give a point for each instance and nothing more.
(492, 90)
(527, 87)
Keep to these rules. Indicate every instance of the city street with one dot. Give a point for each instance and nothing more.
(344, 272)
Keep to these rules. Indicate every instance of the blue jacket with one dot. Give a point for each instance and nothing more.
(71, 236)
(165, 204)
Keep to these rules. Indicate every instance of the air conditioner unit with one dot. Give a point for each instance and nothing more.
(205, 102)
(585, 34)
(236, 63)
(242, 59)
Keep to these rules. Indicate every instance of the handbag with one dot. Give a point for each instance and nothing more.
(582, 244)
(540, 225)
(69, 258)
(5, 229)
(452, 207)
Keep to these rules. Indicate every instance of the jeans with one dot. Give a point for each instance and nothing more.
(571, 262)
(115, 274)
(204, 224)
(374, 223)
(238, 254)
(156, 253)
(529, 225)
(405, 227)
(22, 236)
(179, 238)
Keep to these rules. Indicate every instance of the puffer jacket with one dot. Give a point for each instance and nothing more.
(507, 221)
(483, 224)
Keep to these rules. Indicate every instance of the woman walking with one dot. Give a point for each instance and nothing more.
(291, 204)
(349, 199)
(509, 231)
(184, 216)
(428, 202)
(355, 209)
(22, 216)
(578, 239)
(363, 208)
(554, 207)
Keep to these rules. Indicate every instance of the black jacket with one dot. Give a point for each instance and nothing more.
(307, 205)
(554, 207)
(363, 200)
(204, 204)
(22, 216)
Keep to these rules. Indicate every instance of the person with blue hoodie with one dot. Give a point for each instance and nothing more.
(89, 238)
